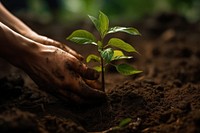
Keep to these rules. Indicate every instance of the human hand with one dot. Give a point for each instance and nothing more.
(54, 70)
(63, 75)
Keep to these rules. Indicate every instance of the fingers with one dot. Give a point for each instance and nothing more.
(69, 50)
(88, 91)
(75, 65)
(74, 53)
(88, 73)
(94, 84)
(48, 41)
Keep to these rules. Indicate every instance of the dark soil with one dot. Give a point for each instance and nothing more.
(165, 98)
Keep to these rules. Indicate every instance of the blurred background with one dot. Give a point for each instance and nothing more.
(65, 11)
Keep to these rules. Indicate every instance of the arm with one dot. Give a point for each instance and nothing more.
(13, 45)
(17, 25)
(13, 22)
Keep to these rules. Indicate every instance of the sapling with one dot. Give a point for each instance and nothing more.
(107, 52)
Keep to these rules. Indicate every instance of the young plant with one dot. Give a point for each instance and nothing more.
(108, 52)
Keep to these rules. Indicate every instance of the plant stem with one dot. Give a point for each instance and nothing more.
(102, 75)
(102, 66)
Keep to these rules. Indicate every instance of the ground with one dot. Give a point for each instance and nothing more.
(165, 98)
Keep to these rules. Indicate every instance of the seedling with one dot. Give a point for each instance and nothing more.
(107, 52)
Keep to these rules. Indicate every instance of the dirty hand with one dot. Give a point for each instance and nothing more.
(54, 70)
(63, 75)
(48, 41)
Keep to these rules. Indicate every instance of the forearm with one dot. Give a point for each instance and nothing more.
(14, 46)
(13, 22)
(17, 25)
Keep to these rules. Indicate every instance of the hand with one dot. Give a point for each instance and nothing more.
(54, 70)
(57, 71)
(62, 74)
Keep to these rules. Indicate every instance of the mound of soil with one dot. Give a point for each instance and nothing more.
(165, 98)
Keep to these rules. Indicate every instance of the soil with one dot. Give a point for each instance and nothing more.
(165, 98)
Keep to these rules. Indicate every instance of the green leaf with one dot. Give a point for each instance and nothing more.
(129, 30)
(93, 57)
(116, 42)
(126, 69)
(118, 55)
(103, 24)
(124, 122)
(107, 54)
(95, 21)
(82, 37)
(97, 68)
